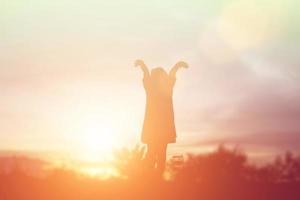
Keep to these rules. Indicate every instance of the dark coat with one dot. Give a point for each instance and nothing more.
(159, 126)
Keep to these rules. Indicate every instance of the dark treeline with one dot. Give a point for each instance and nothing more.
(224, 174)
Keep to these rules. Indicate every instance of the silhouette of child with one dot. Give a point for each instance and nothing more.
(159, 127)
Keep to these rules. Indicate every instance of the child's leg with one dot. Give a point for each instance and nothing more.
(161, 157)
(150, 156)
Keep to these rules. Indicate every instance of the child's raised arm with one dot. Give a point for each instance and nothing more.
(140, 63)
(178, 65)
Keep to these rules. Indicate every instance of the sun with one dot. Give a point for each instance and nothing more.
(97, 141)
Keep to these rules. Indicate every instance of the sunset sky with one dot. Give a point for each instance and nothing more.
(68, 85)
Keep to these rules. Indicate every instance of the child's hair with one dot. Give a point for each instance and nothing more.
(159, 79)
(159, 75)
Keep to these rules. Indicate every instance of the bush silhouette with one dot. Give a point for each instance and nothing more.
(223, 174)
(129, 162)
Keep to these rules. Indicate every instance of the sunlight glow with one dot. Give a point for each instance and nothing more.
(97, 139)
(99, 172)
(245, 24)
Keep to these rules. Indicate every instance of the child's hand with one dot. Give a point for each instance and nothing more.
(176, 67)
(139, 63)
(181, 64)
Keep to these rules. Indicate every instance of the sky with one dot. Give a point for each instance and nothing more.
(68, 84)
